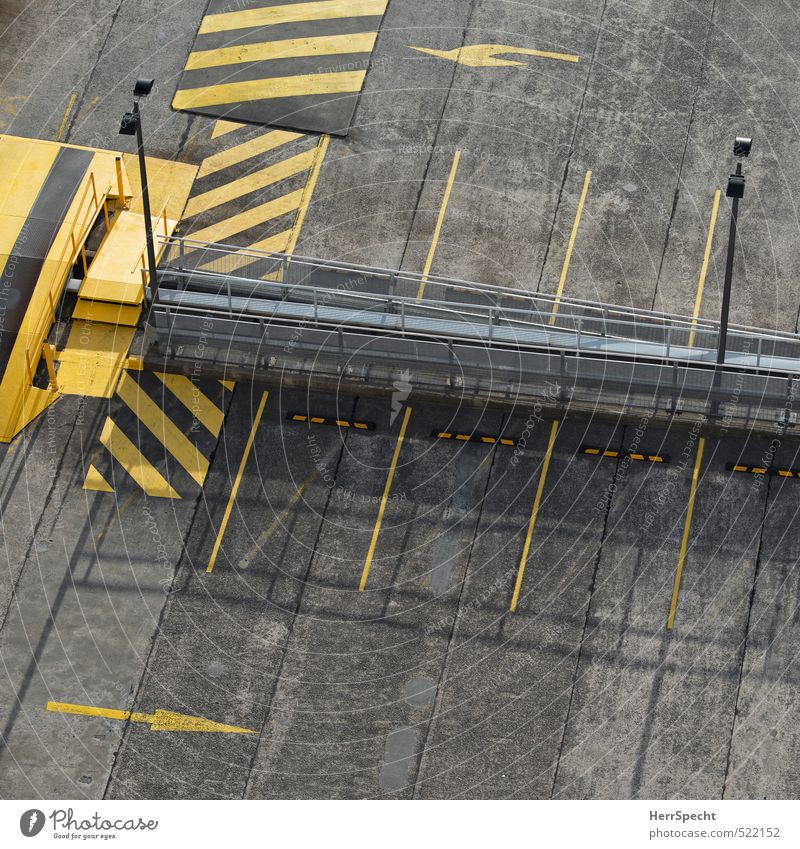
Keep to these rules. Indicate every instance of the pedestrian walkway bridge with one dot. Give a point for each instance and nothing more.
(262, 316)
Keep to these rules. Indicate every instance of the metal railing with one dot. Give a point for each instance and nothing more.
(252, 311)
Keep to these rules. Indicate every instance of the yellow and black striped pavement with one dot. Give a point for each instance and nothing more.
(159, 435)
(299, 65)
(252, 189)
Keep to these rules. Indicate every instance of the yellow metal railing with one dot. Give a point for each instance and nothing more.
(74, 246)
(162, 216)
(88, 208)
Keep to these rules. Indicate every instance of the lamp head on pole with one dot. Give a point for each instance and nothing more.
(741, 150)
(143, 87)
(742, 146)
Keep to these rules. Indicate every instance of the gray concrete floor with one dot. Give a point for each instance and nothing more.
(425, 685)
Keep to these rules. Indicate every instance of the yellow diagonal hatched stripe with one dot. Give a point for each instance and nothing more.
(250, 183)
(223, 127)
(278, 243)
(164, 429)
(246, 150)
(200, 405)
(291, 13)
(250, 218)
(289, 48)
(269, 88)
(134, 462)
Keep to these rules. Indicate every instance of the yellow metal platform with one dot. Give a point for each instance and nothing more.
(93, 359)
(115, 275)
(50, 196)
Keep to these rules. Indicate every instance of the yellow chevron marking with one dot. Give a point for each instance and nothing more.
(483, 55)
(96, 482)
(268, 16)
(289, 48)
(249, 218)
(255, 147)
(250, 183)
(228, 384)
(164, 429)
(222, 127)
(269, 88)
(134, 462)
(201, 406)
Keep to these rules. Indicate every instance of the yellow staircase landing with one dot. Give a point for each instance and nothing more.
(115, 275)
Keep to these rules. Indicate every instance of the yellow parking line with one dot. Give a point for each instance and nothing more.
(235, 489)
(534, 513)
(63, 125)
(686, 528)
(437, 232)
(379, 521)
(163, 428)
(704, 267)
(571, 245)
(308, 191)
(198, 403)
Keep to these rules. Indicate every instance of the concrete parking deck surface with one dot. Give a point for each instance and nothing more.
(650, 651)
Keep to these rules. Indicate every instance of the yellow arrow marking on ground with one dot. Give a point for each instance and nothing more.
(161, 720)
(483, 55)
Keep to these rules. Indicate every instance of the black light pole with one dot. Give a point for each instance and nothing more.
(735, 191)
(132, 124)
